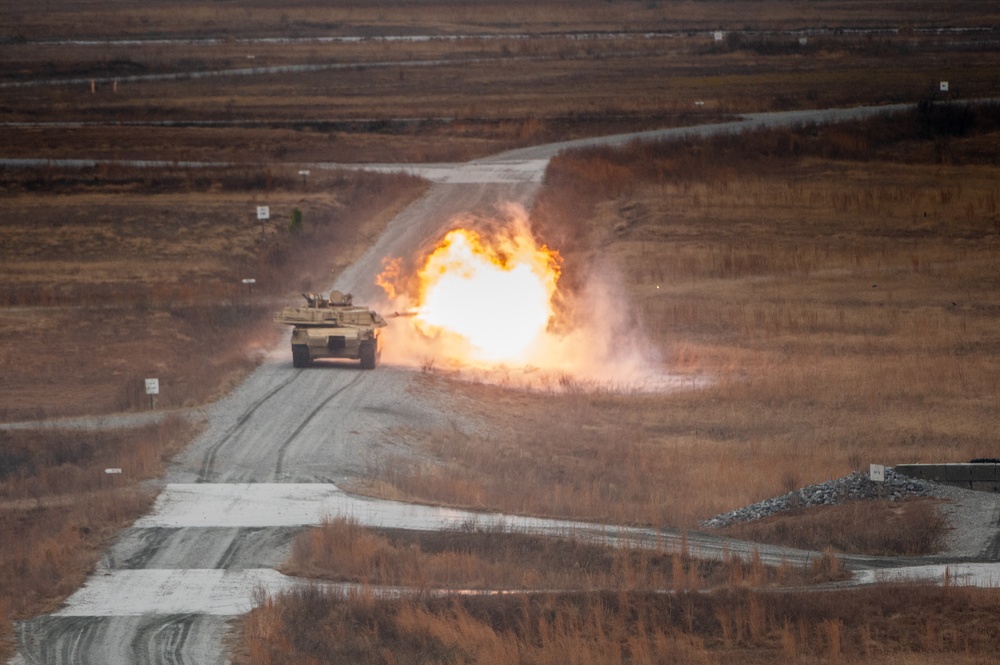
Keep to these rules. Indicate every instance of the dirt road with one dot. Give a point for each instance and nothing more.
(272, 455)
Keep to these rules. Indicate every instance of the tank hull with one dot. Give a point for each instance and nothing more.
(333, 327)
(309, 344)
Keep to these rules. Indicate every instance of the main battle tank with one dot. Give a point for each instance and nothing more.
(332, 327)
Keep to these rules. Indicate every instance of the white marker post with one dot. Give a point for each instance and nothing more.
(250, 281)
(877, 474)
(263, 214)
(305, 176)
(152, 389)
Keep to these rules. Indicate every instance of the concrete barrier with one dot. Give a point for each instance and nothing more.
(981, 477)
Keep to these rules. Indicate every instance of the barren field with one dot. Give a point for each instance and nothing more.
(844, 311)
(831, 291)
(837, 285)
(120, 276)
(111, 278)
(431, 81)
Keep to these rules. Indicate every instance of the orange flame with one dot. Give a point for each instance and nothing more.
(390, 277)
(484, 301)
(481, 298)
(491, 296)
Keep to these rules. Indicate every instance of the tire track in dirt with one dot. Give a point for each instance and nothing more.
(136, 640)
(279, 466)
(261, 71)
(236, 545)
(209, 461)
(75, 637)
(152, 541)
(162, 641)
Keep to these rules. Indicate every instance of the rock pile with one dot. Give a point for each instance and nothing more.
(855, 486)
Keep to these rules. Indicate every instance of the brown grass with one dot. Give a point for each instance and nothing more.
(838, 326)
(61, 18)
(547, 81)
(781, 350)
(120, 274)
(913, 527)
(343, 551)
(462, 110)
(766, 284)
(876, 625)
(93, 278)
(59, 509)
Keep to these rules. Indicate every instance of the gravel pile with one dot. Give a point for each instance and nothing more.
(854, 486)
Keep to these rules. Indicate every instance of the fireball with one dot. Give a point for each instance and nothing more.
(482, 298)
(494, 296)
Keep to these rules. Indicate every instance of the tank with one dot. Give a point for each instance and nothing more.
(332, 327)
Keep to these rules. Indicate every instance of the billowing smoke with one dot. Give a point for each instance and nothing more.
(481, 302)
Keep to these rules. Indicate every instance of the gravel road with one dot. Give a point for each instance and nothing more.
(274, 450)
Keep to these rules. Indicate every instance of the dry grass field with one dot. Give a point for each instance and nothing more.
(508, 75)
(161, 18)
(837, 287)
(108, 278)
(112, 276)
(59, 509)
(844, 311)
(340, 550)
(889, 624)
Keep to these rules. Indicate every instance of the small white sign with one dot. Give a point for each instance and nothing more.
(152, 386)
(263, 212)
(718, 35)
(112, 471)
(877, 472)
(944, 86)
(249, 280)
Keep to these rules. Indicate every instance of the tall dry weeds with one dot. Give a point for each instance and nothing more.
(913, 527)
(828, 313)
(341, 550)
(59, 508)
(164, 298)
(880, 624)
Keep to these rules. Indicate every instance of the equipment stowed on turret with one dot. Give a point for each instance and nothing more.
(332, 327)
